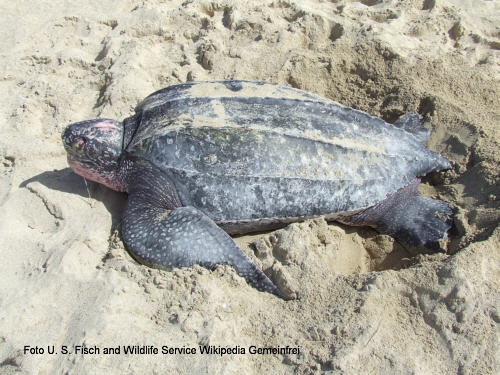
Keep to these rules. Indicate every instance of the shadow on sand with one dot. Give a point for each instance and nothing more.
(65, 180)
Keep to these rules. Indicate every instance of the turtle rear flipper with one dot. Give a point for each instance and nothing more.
(417, 221)
(410, 122)
(159, 233)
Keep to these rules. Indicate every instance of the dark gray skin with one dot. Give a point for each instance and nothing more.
(249, 156)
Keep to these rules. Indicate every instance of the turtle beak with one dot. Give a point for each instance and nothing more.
(68, 136)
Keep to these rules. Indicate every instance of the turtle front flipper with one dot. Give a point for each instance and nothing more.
(159, 233)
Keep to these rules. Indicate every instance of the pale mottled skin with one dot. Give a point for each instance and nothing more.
(250, 155)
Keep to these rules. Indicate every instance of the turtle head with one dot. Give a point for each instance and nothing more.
(94, 148)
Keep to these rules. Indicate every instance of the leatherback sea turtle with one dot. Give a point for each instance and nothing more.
(245, 156)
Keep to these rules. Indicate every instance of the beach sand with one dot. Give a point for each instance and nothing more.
(362, 303)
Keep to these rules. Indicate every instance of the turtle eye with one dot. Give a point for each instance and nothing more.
(78, 144)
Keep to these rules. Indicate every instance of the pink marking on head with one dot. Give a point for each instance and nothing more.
(105, 125)
(89, 174)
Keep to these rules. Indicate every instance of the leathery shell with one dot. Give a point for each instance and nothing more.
(245, 151)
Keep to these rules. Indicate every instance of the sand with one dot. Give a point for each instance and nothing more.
(362, 303)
